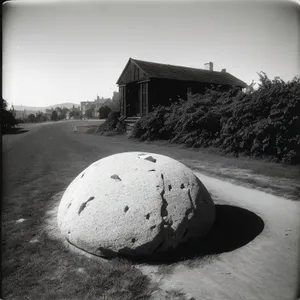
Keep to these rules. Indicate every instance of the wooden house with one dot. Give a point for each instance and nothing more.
(144, 85)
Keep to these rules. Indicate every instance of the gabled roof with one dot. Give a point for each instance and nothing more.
(164, 71)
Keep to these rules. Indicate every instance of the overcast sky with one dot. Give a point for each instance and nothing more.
(69, 51)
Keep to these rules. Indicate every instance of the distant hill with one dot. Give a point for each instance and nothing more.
(28, 108)
(43, 109)
(66, 104)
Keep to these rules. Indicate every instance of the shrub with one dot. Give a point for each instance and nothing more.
(151, 126)
(265, 122)
(104, 112)
(112, 125)
(7, 120)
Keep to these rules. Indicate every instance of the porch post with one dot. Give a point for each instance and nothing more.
(122, 90)
(124, 100)
(141, 99)
(147, 98)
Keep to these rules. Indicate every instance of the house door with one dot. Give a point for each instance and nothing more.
(132, 103)
(128, 104)
(144, 98)
(122, 90)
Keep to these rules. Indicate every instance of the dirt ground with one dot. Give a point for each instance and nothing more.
(266, 267)
(253, 250)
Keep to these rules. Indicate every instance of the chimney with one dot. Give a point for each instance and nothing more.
(223, 70)
(209, 66)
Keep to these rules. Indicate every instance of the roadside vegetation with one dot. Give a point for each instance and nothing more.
(104, 112)
(112, 125)
(8, 121)
(263, 123)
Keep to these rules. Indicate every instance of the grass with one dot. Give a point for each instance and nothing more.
(54, 273)
(42, 265)
(258, 173)
(36, 265)
(35, 262)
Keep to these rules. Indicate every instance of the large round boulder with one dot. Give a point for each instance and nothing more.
(134, 204)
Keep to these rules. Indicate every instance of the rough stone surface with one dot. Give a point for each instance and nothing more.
(134, 203)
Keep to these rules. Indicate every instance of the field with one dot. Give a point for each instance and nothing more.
(39, 164)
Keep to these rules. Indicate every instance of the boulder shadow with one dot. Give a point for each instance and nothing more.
(234, 227)
(18, 130)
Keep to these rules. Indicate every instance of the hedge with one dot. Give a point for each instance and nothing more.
(262, 123)
(112, 125)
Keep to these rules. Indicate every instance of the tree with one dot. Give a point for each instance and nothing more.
(61, 113)
(40, 117)
(116, 101)
(4, 105)
(13, 111)
(77, 113)
(31, 118)
(58, 110)
(54, 116)
(7, 120)
(107, 111)
(74, 113)
(101, 112)
(104, 112)
(65, 111)
(18, 120)
(89, 113)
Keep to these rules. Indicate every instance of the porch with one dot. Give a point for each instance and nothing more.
(134, 99)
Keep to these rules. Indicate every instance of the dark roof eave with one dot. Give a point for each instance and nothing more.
(242, 85)
(238, 82)
(123, 71)
(133, 61)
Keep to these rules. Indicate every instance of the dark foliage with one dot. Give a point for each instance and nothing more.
(74, 113)
(54, 116)
(104, 112)
(112, 125)
(262, 123)
(8, 121)
(31, 118)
